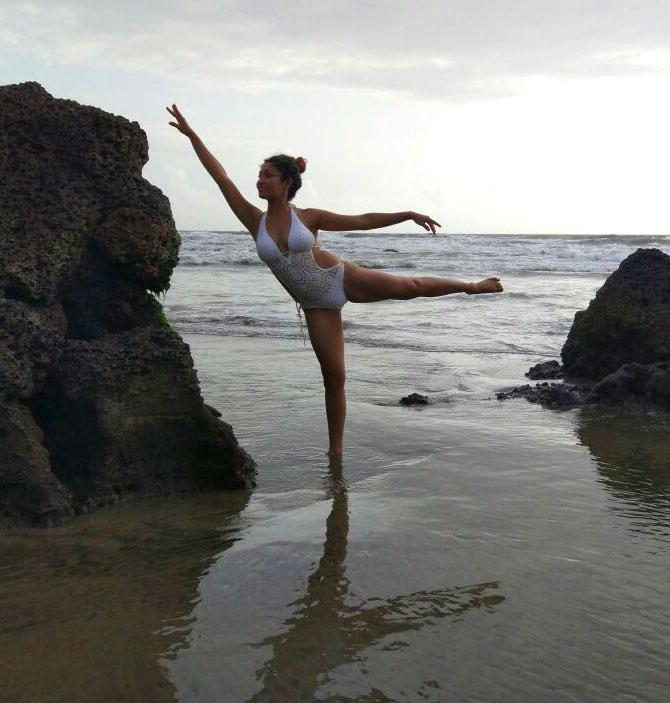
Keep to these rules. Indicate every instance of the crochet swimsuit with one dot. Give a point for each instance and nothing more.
(308, 284)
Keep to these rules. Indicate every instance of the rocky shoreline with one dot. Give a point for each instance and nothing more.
(618, 350)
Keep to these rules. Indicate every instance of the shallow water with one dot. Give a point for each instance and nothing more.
(469, 550)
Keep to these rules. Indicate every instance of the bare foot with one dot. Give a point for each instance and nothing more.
(486, 285)
(334, 453)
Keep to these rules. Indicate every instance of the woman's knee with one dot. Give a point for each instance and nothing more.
(410, 288)
(333, 377)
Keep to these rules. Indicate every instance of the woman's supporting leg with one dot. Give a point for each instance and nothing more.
(325, 333)
(363, 285)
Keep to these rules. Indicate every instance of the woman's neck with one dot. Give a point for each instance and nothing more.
(278, 207)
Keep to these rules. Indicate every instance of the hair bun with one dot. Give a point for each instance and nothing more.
(302, 164)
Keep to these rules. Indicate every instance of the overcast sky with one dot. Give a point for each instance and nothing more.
(490, 116)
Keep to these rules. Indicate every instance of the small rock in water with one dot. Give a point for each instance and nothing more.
(414, 399)
(546, 369)
(395, 251)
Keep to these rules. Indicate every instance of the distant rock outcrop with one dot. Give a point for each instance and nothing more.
(98, 396)
(618, 349)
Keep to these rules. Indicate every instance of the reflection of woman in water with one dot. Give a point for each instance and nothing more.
(320, 282)
(330, 626)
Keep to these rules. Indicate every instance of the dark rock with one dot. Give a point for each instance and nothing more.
(72, 181)
(85, 349)
(414, 399)
(621, 341)
(553, 395)
(30, 494)
(395, 251)
(627, 322)
(546, 369)
(642, 384)
(123, 414)
(31, 338)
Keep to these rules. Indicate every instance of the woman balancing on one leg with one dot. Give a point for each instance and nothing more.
(317, 279)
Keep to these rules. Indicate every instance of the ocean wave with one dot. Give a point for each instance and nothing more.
(196, 260)
(472, 254)
(234, 321)
(283, 332)
(386, 235)
(367, 264)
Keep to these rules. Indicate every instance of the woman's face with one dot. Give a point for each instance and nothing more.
(270, 184)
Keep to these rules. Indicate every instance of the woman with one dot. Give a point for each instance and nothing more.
(318, 280)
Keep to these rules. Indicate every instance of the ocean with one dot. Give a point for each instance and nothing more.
(466, 550)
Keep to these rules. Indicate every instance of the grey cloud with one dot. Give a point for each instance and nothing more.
(442, 50)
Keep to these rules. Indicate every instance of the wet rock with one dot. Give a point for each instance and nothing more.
(628, 321)
(619, 345)
(414, 399)
(546, 369)
(637, 384)
(395, 251)
(553, 395)
(30, 494)
(123, 414)
(89, 367)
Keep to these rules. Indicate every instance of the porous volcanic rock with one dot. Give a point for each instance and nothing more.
(98, 396)
(30, 493)
(627, 322)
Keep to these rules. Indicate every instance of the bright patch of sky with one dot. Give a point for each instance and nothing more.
(513, 116)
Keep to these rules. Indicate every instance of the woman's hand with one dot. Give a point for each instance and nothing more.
(425, 222)
(181, 124)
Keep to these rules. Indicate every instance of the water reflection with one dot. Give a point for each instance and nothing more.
(87, 610)
(328, 628)
(632, 452)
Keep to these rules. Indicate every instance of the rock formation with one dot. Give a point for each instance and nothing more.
(618, 349)
(99, 399)
(627, 322)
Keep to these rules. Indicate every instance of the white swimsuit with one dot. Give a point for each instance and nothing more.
(308, 284)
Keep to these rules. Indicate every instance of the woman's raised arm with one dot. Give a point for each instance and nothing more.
(332, 222)
(249, 215)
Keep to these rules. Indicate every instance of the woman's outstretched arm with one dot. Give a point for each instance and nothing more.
(249, 215)
(332, 222)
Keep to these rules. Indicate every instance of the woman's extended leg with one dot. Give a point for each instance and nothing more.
(325, 333)
(363, 285)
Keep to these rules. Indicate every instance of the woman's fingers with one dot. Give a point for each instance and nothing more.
(176, 114)
(428, 223)
(181, 124)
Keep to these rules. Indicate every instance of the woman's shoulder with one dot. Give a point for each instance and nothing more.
(308, 217)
